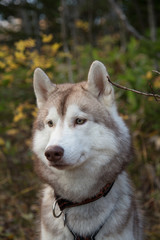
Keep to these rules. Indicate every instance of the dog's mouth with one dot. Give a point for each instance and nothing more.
(62, 165)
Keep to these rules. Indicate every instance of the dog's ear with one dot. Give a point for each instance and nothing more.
(42, 86)
(98, 83)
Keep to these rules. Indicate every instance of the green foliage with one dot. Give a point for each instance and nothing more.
(132, 68)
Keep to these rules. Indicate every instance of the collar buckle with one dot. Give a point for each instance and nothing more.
(54, 209)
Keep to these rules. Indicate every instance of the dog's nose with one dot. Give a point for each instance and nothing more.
(54, 153)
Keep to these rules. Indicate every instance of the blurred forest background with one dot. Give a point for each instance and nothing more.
(63, 37)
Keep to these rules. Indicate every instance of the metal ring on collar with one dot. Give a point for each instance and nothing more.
(54, 210)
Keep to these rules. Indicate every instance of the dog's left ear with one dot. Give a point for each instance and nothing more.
(98, 83)
(42, 86)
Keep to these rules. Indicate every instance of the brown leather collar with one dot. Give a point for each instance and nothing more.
(64, 203)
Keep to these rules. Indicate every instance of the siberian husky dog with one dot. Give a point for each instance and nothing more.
(82, 146)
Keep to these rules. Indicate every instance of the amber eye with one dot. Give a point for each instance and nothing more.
(50, 123)
(80, 121)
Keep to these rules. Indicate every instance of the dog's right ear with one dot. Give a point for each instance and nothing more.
(98, 83)
(42, 86)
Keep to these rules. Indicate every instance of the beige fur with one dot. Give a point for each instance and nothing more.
(95, 153)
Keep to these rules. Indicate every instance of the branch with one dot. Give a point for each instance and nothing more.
(155, 71)
(124, 19)
(156, 96)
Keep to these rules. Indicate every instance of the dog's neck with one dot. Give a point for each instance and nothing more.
(75, 186)
(64, 203)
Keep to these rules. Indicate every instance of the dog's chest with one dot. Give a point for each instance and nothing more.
(87, 220)
(111, 216)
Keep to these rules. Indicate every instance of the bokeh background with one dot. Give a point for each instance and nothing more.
(63, 37)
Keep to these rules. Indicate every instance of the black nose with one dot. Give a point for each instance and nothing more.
(54, 153)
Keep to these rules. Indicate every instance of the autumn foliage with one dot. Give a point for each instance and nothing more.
(18, 182)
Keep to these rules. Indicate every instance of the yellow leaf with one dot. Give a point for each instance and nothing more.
(20, 56)
(157, 82)
(2, 65)
(19, 117)
(34, 113)
(9, 59)
(125, 117)
(20, 46)
(2, 142)
(30, 43)
(82, 25)
(63, 54)
(2, 54)
(149, 75)
(47, 38)
(23, 44)
(55, 47)
(11, 132)
(28, 142)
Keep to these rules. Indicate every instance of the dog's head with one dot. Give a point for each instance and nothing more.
(77, 123)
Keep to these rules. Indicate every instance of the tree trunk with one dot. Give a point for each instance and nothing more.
(64, 39)
(152, 25)
(90, 19)
(151, 19)
(124, 19)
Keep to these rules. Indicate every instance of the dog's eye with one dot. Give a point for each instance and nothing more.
(80, 121)
(50, 123)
